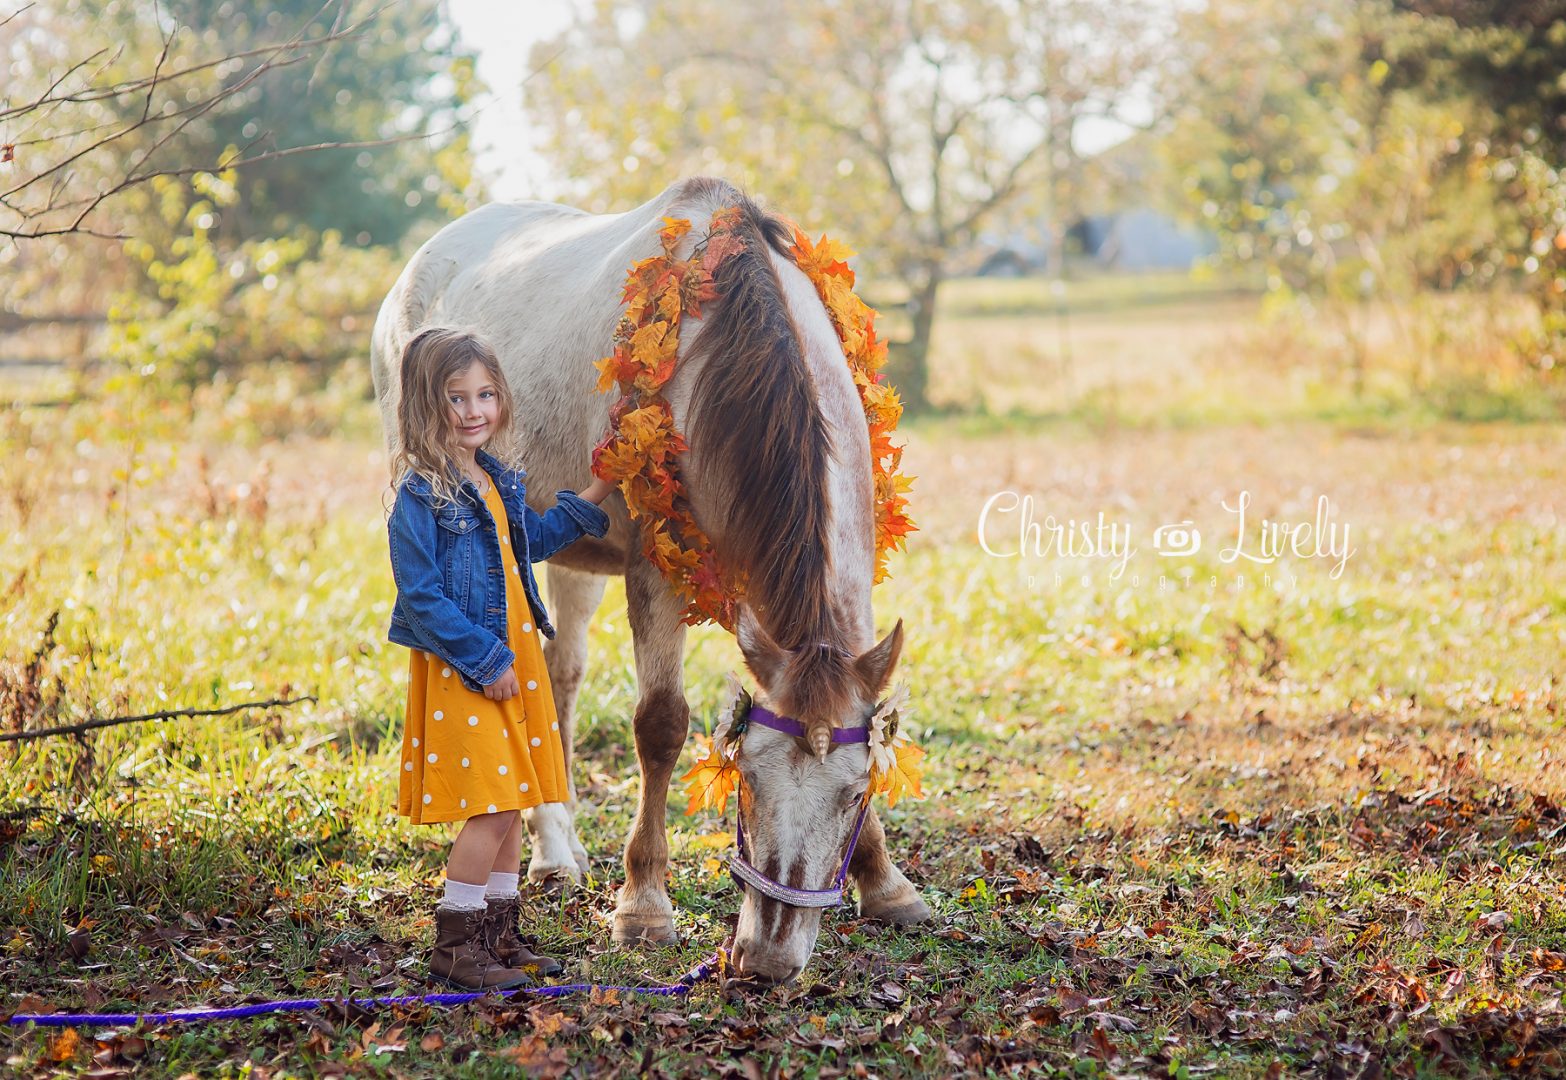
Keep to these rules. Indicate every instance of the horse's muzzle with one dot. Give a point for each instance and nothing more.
(753, 968)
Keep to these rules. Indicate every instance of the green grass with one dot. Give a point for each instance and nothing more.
(1158, 840)
(1188, 350)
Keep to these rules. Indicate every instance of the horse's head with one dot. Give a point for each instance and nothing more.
(801, 796)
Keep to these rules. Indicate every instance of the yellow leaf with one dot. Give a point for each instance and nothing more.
(62, 1047)
(606, 376)
(905, 775)
(669, 304)
(710, 780)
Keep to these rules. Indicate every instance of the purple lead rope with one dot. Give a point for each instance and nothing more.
(739, 864)
(700, 973)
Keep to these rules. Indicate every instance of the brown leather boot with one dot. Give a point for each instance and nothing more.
(504, 936)
(462, 956)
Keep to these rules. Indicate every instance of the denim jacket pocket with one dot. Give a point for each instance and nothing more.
(462, 523)
(457, 518)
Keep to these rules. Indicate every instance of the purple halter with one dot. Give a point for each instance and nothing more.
(746, 874)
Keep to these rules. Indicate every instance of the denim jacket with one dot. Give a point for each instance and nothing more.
(450, 574)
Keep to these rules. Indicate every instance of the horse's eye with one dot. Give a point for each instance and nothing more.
(853, 797)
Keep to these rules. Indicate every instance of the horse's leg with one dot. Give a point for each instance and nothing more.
(884, 893)
(558, 855)
(662, 720)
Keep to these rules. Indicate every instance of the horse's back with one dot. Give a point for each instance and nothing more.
(491, 254)
(540, 281)
(542, 284)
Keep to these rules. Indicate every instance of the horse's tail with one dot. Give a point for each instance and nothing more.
(763, 441)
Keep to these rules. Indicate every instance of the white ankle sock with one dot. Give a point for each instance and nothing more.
(460, 896)
(502, 885)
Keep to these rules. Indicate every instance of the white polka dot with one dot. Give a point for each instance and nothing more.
(432, 759)
(464, 763)
(504, 734)
(527, 628)
(407, 766)
(472, 721)
(523, 787)
(439, 715)
(464, 804)
(492, 808)
(502, 770)
(518, 569)
(445, 673)
(537, 741)
(555, 726)
(532, 684)
(415, 742)
(426, 800)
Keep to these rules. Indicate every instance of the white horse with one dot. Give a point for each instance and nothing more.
(778, 475)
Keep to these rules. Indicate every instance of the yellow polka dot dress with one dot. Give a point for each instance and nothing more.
(463, 754)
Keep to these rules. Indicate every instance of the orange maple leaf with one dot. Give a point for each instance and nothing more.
(607, 376)
(719, 248)
(711, 780)
(725, 219)
(825, 257)
(673, 229)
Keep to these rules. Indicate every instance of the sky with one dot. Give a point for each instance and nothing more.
(502, 32)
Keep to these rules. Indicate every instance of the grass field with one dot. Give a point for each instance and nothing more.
(1218, 826)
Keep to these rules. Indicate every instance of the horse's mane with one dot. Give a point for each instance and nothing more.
(762, 437)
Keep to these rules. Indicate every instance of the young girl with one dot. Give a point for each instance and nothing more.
(481, 742)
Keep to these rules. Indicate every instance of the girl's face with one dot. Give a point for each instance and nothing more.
(475, 406)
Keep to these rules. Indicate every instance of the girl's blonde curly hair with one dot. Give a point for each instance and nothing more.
(426, 425)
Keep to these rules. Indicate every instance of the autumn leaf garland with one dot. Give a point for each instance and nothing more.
(826, 264)
(641, 453)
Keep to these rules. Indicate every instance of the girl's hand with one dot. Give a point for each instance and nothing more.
(597, 491)
(504, 688)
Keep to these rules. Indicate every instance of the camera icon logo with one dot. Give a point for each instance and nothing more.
(1172, 541)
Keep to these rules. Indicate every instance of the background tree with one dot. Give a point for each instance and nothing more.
(1507, 58)
(322, 105)
(254, 172)
(905, 125)
(1296, 147)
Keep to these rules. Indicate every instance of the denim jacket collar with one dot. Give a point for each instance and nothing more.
(498, 473)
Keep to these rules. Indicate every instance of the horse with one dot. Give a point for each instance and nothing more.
(778, 474)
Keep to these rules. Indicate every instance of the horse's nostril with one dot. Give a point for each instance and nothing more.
(760, 973)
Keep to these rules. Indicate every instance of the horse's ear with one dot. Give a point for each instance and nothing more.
(762, 655)
(875, 667)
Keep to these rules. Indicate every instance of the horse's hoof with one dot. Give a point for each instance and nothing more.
(555, 879)
(643, 930)
(898, 911)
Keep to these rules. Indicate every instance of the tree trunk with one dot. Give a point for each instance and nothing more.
(909, 369)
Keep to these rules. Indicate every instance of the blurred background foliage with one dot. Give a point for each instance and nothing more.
(1383, 174)
(279, 264)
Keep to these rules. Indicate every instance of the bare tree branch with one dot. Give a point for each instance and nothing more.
(37, 217)
(113, 721)
(14, 14)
